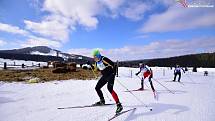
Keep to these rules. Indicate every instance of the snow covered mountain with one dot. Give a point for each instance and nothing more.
(29, 50)
(40, 51)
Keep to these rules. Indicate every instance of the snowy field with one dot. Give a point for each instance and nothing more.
(194, 100)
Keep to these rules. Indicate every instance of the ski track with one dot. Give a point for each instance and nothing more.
(192, 101)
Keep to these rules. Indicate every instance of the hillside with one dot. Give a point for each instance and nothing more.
(28, 50)
(42, 54)
(194, 60)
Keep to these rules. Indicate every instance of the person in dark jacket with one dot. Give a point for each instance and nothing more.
(107, 69)
(177, 71)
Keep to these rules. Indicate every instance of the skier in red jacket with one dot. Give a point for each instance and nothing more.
(147, 72)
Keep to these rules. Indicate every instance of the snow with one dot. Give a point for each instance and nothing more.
(51, 53)
(206, 69)
(193, 101)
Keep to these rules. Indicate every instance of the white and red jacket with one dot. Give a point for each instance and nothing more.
(146, 70)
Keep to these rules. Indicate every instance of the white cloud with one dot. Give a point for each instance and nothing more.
(31, 40)
(175, 19)
(81, 51)
(50, 28)
(36, 4)
(2, 43)
(112, 7)
(37, 41)
(135, 11)
(165, 2)
(156, 49)
(113, 4)
(64, 15)
(81, 11)
(12, 29)
(166, 48)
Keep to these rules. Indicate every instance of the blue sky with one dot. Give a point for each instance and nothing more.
(121, 29)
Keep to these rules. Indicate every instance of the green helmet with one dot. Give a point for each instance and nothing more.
(96, 53)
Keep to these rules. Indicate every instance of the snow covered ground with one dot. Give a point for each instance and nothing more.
(194, 100)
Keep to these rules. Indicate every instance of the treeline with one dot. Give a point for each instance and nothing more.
(28, 57)
(81, 61)
(194, 60)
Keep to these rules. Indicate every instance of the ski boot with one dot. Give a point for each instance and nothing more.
(119, 108)
(101, 102)
(141, 88)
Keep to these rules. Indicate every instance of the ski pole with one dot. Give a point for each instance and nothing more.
(103, 90)
(135, 96)
(163, 86)
(144, 83)
(93, 72)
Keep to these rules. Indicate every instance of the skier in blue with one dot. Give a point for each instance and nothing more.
(177, 71)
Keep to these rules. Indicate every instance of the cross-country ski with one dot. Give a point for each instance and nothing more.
(120, 113)
(84, 106)
(137, 90)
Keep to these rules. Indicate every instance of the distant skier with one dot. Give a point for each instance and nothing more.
(177, 71)
(147, 72)
(205, 73)
(107, 68)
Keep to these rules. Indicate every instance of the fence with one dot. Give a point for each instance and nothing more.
(5, 65)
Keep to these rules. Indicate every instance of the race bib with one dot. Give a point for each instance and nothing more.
(101, 65)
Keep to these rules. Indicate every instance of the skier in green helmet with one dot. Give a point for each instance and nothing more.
(107, 69)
